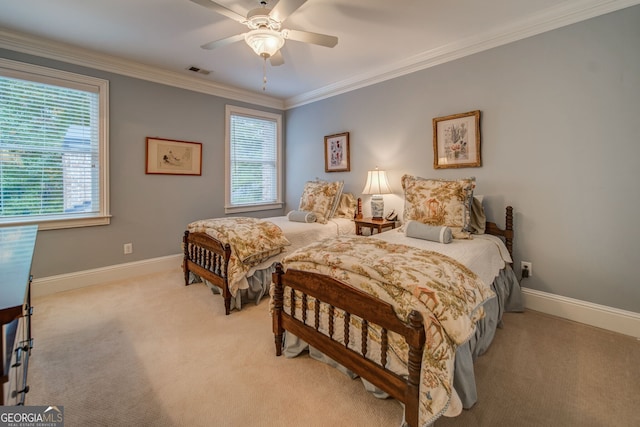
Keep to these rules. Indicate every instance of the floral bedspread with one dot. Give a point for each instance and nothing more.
(252, 241)
(448, 295)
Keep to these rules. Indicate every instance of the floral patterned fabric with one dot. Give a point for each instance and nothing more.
(347, 206)
(321, 198)
(252, 241)
(448, 295)
(439, 202)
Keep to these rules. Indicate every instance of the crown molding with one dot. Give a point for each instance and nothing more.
(547, 20)
(32, 45)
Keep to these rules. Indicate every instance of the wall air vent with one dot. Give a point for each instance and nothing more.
(198, 70)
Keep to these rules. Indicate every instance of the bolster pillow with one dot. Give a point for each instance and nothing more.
(434, 233)
(301, 216)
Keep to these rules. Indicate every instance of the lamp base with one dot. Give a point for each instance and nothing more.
(377, 208)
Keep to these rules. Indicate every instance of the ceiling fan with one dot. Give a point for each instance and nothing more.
(266, 35)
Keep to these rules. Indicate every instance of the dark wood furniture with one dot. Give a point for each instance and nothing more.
(373, 224)
(16, 247)
(208, 258)
(372, 311)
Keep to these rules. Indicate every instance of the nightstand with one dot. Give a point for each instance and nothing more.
(373, 224)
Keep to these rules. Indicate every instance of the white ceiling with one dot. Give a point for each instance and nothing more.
(377, 39)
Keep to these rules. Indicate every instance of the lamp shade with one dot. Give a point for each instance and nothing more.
(377, 183)
(264, 42)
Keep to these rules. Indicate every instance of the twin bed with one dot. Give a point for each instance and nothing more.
(236, 256)
(407, 315)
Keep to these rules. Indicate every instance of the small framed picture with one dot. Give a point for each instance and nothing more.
(170, 157)
(456, 141)
(336, 153)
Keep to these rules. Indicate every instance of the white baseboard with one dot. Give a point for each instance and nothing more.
(600, 316)
(98, 276)
(612, 319)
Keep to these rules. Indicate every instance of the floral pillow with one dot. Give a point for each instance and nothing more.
(347, 206)
(321, 198)
(439, 202)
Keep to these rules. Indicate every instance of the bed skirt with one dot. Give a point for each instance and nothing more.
(259, 283)
(508, 299)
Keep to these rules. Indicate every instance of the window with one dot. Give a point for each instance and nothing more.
(53, 147)
(253, 160)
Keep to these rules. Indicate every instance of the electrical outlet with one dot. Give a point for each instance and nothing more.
(526, 265)
(128, 248)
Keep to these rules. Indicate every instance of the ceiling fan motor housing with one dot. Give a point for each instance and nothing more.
(259, 18)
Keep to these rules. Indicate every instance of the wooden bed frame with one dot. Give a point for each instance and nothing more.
(372, 311)
(208, 258)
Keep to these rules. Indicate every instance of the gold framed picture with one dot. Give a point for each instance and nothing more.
(171, 157)
(336, 153)
(456, 141)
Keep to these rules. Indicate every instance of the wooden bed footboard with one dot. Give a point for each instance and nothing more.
(207, 258)
(370, 311)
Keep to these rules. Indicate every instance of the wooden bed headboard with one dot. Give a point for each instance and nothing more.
(506, 233)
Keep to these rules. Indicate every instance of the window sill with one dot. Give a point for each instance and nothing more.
(253, 208)
(54, 224)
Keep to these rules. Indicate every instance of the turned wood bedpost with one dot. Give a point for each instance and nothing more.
(278, 294)
(507, 232)
(412, 398)
(226, 293)
(185, 262)
(509, 229)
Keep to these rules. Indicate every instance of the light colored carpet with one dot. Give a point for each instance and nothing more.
(150, 351)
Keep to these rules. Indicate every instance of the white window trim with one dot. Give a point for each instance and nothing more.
(279, 204)
(13, 69)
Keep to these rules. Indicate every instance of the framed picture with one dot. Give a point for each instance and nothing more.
(170, 157)
(336, 153)
(456, 141)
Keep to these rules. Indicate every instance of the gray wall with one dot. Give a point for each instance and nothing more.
(560, 143)
(560, 118)
(150, 211)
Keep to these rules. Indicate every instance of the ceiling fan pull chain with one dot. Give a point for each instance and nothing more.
(264, 74)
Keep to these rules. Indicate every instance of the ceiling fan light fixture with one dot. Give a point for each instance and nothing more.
(264, 42)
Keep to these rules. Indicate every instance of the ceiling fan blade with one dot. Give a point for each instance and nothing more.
(276, 59)
(223, 42)
(308, 37)
(284, 8)
(210, 4)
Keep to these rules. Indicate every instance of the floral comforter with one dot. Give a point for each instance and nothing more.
(448, 295)
(252, 241)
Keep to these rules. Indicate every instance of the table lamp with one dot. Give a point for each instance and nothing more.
(377, 185)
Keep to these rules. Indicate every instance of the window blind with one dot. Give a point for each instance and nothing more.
(253, 157)
(49, 149)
